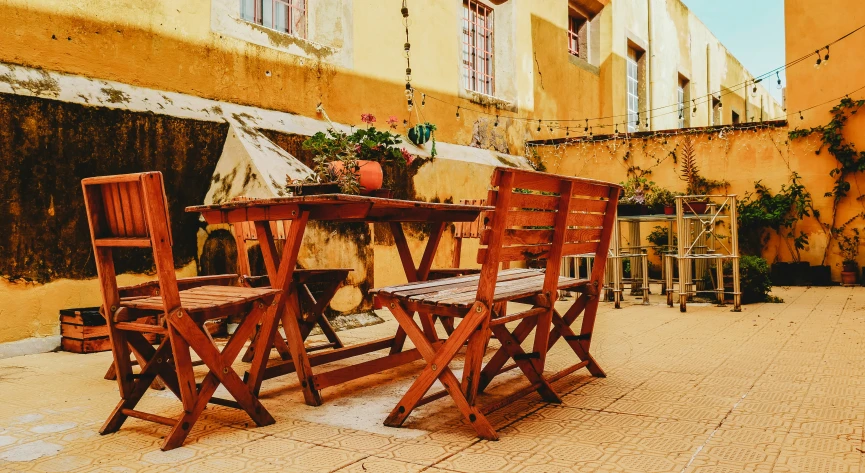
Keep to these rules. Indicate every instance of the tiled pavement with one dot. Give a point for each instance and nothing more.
(777, 387)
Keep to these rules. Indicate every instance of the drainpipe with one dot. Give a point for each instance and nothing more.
(761, 108)
(651, 113)
(709, 103)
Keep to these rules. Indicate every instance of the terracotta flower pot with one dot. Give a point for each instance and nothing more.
(369, 174)
(696, 207)
(669, 210)
(848, 277)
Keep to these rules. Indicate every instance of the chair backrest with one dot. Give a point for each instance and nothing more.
(245, 231)
(130, 211)
(540, 216)
(469, 229)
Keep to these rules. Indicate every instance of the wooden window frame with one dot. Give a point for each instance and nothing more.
(295, 12)
(478, 49)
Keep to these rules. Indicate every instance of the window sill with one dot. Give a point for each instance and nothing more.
(284, 40)
(487, 100)
(584, 65)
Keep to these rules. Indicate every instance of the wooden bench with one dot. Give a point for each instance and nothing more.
(537, 216)
(131, 211)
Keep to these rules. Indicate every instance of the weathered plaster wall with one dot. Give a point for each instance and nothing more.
(47, 147)
(739, 157)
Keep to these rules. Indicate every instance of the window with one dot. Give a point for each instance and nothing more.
(477, 54)
(683, 97)
(633, 91)
(716, 111)
(286, 16)
(578, 36)
(735, 118)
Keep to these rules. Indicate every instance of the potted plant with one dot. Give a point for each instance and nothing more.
(848, 246)
(691, 175)
(353, 162)
(421, 133)
(636, 191)
(663, 201)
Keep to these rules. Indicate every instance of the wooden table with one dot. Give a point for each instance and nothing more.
(286, 307)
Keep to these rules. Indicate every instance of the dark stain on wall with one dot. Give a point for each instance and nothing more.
(47, 147)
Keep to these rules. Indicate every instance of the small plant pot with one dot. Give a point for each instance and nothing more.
(821, 276)
(800, 273)
(848, 278)
(630, 210)
(850, 267)
(781, 275)
(369, 174)
(669, 210)
(696, 207)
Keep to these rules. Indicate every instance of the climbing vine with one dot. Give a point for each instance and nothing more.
(849, 160)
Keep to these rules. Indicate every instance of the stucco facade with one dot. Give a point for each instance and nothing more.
(199, 60)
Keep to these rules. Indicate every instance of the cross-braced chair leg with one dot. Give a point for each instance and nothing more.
(437, 368)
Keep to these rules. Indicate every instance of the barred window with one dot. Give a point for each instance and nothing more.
(286, 16)
(478, 67)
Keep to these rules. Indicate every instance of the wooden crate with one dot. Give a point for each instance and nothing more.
(83, 330)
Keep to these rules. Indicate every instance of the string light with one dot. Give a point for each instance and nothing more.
(409, 91)
(587, 125)
(677, 105)
(539, 126)
(800, 116)
(497, 121)
(819, 59)
(778, 75)
(423, 100)
(458, 113)
(826, 58)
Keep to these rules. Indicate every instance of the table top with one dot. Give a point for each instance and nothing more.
(338, 208)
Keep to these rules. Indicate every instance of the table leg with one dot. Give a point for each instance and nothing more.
(286, 307)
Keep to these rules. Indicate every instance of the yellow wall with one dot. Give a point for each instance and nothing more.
(183, 47)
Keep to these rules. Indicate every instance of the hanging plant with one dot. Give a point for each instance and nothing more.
(421, 133)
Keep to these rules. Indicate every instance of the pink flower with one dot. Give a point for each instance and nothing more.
(392, 121)
(406, 155)
(367, 118)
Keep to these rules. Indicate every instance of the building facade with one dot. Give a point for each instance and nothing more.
(217, 94)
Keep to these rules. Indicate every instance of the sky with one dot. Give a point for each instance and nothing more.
(753, 30)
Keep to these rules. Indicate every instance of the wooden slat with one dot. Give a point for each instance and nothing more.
(122, 242)
(366, 368)
(528, 218)
(110, 211)
(527, 252)
(317, 359)
(551, 183)
(551, 202)
(138, 327)
(514, 236)
(149, 417)
(139, 223)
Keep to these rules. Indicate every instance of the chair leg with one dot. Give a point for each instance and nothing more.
(579, 343)
(135, 388)
(437, 368)
(220, 373)
(531, 367)
(477, 347)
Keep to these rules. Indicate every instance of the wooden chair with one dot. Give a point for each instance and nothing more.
(537, 217)
(131, 211)
(316, 288)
